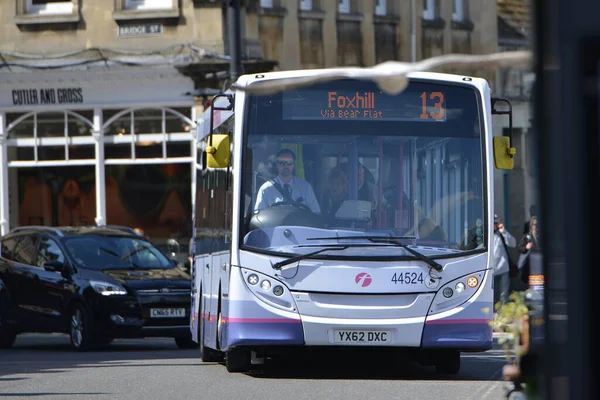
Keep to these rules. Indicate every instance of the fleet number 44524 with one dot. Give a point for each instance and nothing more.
(407, 278)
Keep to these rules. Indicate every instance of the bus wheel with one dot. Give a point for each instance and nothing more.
(448, 362)
(237, 360)
(206, 353)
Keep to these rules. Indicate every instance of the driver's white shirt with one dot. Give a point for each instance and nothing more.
(301, 191)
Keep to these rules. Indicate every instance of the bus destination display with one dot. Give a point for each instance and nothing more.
(364, 105)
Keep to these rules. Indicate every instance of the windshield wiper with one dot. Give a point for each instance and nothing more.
(392, 240)
(112, 253)
(281, 264)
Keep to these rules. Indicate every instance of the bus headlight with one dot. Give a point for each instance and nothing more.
(456, 292)
(253, 279)
(265, 285)
(270, 290)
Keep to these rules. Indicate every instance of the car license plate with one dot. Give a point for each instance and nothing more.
(362, 337)
(167, 312)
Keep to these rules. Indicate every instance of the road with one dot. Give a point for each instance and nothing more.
(43, 366)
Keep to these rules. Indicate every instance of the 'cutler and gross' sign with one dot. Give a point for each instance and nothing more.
(25, 97)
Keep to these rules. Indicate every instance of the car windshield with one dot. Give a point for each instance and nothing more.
(344, 159)
(114, 252)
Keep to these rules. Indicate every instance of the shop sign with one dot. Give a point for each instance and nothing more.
(26, 97)
(99, 88)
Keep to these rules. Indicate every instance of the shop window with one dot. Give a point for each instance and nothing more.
(49, 136)
(80, 152)
(47, 153)
(153, 197)
(57, 196)
(118, 140)
(149, 128)
(147, 133)
(182, 128)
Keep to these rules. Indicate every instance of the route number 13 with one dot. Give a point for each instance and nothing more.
(439, 105)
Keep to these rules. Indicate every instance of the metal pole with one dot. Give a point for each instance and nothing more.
(235, 39)
(4, 184)
(100, 168)
(413, 31)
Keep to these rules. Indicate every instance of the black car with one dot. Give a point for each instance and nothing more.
(94, 283)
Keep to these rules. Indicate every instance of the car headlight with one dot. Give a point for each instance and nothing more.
(108, 289)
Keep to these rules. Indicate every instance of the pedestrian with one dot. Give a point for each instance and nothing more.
(501, 262)
(528, 242)
(532, 212)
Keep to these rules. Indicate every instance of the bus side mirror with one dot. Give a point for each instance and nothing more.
(217, 153)
(503, 153)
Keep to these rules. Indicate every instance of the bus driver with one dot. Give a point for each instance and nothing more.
(286, 187)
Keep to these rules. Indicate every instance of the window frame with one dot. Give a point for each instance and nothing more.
(124, 11)
(429, 9)
(26, 13)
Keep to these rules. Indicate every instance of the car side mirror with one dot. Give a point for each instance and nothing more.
(54, 266)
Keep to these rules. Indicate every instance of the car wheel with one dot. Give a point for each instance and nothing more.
(186, 343)
(7, 333)
(81, 329)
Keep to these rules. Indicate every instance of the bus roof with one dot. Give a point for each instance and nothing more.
(247, 79)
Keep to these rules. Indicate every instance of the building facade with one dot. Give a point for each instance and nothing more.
(99, 99)
(516, 189)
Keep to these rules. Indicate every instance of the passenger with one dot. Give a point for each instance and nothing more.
(286, 187)
(337, 193)
(366, 190)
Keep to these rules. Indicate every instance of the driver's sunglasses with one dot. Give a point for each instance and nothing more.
(284, 162)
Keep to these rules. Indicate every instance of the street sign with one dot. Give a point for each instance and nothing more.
(140, 30)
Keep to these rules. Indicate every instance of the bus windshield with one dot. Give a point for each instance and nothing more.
(345, 159)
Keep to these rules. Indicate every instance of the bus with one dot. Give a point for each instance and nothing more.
(384, 238)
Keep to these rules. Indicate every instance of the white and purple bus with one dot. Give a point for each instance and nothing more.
(383, 239)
